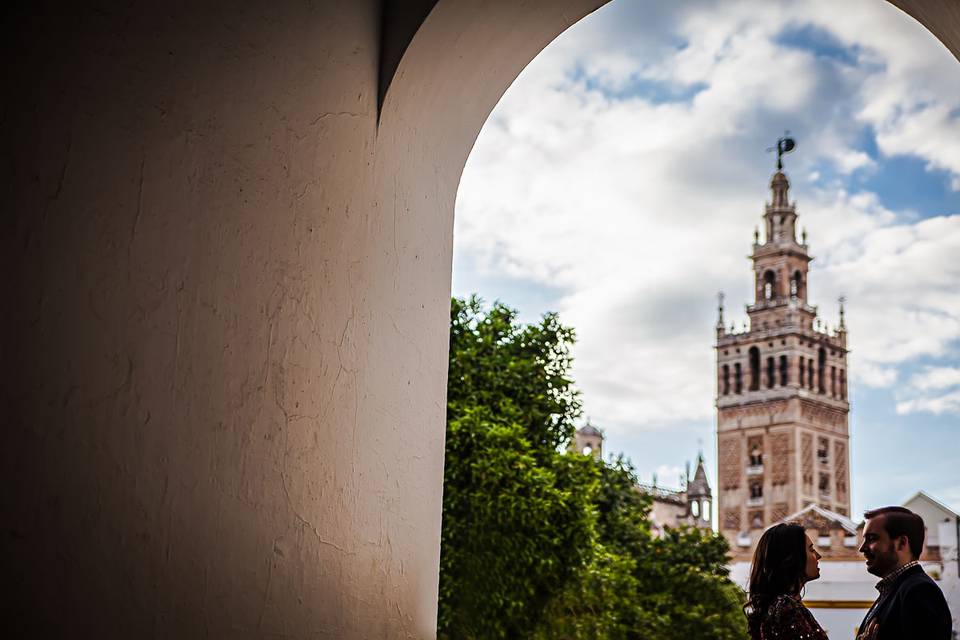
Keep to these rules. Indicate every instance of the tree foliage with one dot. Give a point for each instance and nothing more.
(539, 543)
(682, 585)
(513, 528)
(519, 372)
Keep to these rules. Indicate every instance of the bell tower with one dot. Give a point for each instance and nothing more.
(782, 431)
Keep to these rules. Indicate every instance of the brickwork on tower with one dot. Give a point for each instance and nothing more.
(782, 435)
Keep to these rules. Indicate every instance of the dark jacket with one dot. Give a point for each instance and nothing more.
(912, 609)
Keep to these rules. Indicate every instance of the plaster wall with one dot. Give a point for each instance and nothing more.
(228, 297)
(202, 440)
(225, 330)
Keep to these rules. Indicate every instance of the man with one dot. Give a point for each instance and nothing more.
(910, 605)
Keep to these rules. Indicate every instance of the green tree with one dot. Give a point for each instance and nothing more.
(682, 589)
(518, 518)
(519, 372)
(599, 601)
(538, 543)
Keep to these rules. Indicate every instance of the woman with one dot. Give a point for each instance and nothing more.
(784, 561)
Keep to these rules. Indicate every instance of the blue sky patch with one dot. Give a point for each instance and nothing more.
(904, 182)
(820, 42)
(649, 90)
(901, 182)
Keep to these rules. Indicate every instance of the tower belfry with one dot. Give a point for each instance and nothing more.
(782, 431)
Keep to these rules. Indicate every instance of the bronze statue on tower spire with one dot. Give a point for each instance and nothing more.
(786, 144)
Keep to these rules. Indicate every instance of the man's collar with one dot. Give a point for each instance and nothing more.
(884, 585)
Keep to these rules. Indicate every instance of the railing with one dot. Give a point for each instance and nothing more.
(755, 502)
(823, 541)
(667, 495)
(754, 469)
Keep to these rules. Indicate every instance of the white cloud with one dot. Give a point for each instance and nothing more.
(638, 207)
(848, 161)
(901, 281)
(946, 403)
(932, 378)
(873, 375)
(935, 389)
(669, 476)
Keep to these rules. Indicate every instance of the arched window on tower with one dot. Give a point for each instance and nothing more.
(801, 370)
(796, 285)
(843, 385)
(737, 378)
(784, 372)
(821, 369)
(769, 285)
(833, 381)
(810, 374)
(771, 377)
(754, 368)
(726, 380)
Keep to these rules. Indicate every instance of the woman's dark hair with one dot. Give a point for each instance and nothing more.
(779, 568)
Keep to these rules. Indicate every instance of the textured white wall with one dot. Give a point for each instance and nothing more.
(225, 388)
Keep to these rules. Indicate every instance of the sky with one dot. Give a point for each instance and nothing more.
(620, 178)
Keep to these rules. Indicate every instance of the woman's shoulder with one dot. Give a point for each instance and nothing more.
(788, 618)
(783, 603)
(782, 609)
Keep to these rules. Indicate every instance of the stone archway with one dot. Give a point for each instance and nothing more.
(225, 346)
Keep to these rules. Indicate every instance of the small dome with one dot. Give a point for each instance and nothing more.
(589, 430)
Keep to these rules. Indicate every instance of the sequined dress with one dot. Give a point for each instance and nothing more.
(788, 619)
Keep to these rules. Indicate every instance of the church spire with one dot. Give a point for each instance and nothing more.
(781, 216)
(780, 187)
(720, 326)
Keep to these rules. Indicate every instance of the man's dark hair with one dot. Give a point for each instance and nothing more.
(900, 521)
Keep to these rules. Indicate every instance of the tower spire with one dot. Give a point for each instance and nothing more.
(781, 216)
(720, 297)
(780, 187)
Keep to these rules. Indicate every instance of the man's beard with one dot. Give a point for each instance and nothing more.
(882, 563)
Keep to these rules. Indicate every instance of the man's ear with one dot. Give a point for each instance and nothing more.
(902, 542)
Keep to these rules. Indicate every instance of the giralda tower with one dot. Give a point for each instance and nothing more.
(782, 432)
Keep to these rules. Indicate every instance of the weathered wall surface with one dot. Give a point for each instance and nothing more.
(225, 345)
(225, 329)
(200, 440)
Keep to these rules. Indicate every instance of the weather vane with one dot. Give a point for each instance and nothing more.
(786, 144)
